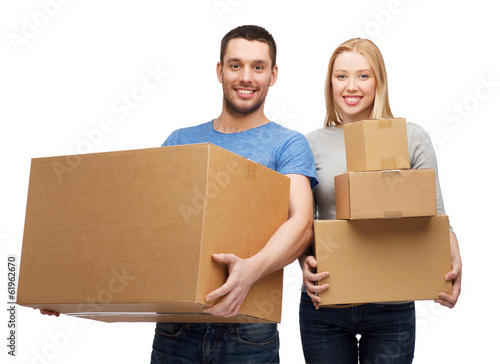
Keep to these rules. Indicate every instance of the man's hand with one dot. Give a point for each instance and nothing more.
(49, 312)
(241, 277)
(287, 243)
(310, 278)
(454, 275)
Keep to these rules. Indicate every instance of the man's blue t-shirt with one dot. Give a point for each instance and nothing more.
(272, 145)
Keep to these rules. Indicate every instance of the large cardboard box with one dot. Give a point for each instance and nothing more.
(128, 236)
(383, 260)
(373, 145)
(386, 194)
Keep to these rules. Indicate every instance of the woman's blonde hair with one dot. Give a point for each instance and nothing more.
(367, 48)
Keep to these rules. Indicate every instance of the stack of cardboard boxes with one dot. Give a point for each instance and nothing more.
(387, 243)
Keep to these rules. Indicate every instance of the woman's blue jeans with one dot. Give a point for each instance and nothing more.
(329, 334)
(190, 343)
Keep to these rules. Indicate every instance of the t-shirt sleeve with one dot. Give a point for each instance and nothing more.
(172, 139)
(295, 157)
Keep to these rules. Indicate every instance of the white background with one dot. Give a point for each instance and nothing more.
(67, 65)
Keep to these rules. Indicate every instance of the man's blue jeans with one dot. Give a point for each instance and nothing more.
(329, 334)
(190, 343)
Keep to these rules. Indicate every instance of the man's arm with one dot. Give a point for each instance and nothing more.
(287, 244)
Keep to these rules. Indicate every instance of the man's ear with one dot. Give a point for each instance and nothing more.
(274, 75)
(219, 71)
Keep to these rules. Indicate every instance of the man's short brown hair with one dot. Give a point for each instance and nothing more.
(249, 32)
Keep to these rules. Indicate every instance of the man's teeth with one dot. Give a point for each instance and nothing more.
(246, 92)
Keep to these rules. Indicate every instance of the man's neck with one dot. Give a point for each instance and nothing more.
(229, 124)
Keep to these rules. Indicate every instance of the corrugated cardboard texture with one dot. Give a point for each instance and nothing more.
(135, 230)
(373, 145)
(383, 260)
(386, 194)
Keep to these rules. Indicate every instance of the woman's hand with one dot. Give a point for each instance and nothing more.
(311, 278)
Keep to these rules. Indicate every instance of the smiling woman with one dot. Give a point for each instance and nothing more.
(356, 90)
(360, 60)
(353, 84)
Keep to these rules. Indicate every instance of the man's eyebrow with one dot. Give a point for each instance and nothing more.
(236, 59)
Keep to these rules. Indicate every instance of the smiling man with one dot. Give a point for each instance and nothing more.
(245, 79)
(246, 70)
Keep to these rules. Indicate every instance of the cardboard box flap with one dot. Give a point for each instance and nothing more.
(168, 317)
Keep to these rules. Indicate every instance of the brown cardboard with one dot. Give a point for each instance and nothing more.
(386, 194)
(108, 234)
(383, 260)
(373, 145)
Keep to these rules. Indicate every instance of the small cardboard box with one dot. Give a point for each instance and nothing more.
(383, 260)
(128, 236)
(374, 145)
(386, 194)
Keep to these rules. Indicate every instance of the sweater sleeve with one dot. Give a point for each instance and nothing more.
(422, 155)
